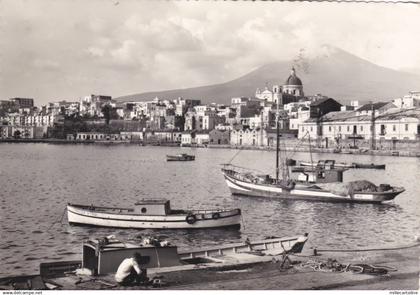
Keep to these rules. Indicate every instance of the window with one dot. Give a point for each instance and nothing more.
(329, 128)
(394, 128)
(348, 128)
(143, 210)
(382, 130)
(361, 128)
(311, 128)
(339, 128)
(406, 127)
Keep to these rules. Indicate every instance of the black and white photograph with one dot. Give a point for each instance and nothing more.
(209, 145)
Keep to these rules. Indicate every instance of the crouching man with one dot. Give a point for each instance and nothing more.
(130, 273)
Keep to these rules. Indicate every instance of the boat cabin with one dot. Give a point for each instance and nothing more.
(104, 256)
(152, 207)
(324, 172)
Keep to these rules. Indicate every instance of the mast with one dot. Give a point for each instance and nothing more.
(372, 127)
(277, 139)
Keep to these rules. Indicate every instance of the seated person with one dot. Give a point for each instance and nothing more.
(130, 273)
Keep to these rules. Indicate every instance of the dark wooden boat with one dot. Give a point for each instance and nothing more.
(180, 157)
(369, 166)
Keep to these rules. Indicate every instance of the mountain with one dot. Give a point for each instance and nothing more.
(334, 73)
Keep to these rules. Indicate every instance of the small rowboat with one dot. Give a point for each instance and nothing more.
(154, 214)
(180, 157)
(105, 255)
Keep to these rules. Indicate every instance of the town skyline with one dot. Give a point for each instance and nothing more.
(116, 48)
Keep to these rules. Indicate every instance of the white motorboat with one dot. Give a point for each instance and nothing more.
(154, 213)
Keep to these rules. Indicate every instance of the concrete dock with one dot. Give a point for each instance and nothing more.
(252, 272)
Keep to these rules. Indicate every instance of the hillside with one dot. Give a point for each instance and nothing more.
(335, 73)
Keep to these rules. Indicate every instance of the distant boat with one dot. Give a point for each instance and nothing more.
(180, 157)
(369, 166)
(154, 214)
(322, 162)
(345, 165)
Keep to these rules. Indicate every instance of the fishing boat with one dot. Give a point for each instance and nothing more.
(242, 181)
(154, 214)
(248, 184)
(180, 157)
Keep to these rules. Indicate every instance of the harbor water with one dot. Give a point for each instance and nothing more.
(38, 180)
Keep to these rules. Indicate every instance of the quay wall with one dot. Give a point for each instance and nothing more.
(388, 148)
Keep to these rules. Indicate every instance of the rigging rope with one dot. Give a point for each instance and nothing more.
(298, 143)
(234, 156)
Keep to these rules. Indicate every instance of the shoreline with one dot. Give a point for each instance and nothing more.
(395, 153)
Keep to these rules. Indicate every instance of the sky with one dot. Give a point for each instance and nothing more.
(53, 50)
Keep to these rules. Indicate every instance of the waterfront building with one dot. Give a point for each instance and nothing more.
(132, 135)
(98, 136)
(202, 137)
(188, 138)
(247, 137)
(395, 124)
(218, 136)
(167, 136)
(70, 137)
(284, 134)
(6, 131)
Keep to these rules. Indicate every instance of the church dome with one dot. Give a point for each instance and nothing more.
(293, 79)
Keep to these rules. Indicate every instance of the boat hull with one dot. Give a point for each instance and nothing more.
(80, 214)
(303, 192)
(180, 158)
(269, 246)
(348, 166)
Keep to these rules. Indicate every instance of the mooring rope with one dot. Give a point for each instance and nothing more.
(58, 220)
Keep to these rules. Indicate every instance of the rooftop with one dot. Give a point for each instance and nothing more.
(392, 114)
(369, 106)
(319, 101)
